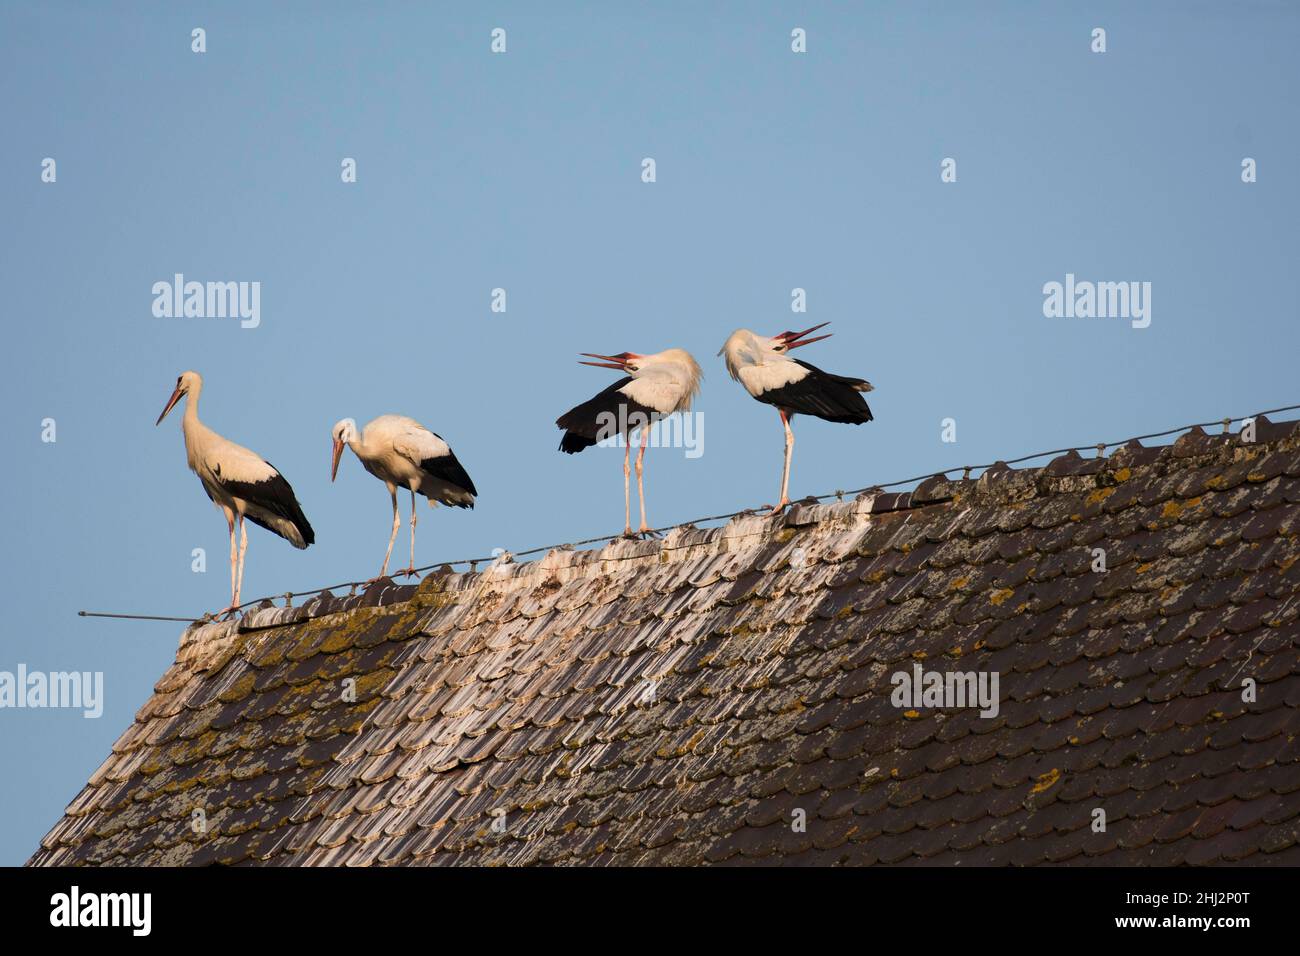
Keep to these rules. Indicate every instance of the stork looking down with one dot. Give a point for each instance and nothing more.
(239, 482)
(399, 451)
(655, 386)
(766, 370)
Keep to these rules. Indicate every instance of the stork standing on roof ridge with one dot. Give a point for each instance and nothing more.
(239, 482)
(763, 365)
(401, 452)
(655, 386)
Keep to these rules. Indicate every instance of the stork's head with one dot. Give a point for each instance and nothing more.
(629, 362)
(744, 348)
(344, 432)
(188, 383)
(676, 364)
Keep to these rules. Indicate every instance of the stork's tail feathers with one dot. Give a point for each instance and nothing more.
(304, 529)
(300, 524)
(271, 504)
(586, 424)
(856, 416)
(572, 443)
(292, 526)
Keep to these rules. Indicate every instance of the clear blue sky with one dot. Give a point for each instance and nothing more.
(522, 171)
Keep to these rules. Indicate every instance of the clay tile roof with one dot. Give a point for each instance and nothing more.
(724, 695)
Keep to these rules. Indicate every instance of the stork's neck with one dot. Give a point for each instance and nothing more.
(192, 407)
(191, 427)
(358, 447)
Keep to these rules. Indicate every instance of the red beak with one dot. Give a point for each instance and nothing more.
(334, 464)
(618, 361)
(171, 403)
(794, 340)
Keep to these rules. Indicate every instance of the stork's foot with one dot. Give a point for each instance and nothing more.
(408, 572)
(779, 507)
(643, 532)
(381, 576)
(225, 614)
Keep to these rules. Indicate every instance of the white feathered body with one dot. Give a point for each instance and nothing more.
(667, 384)
(235, 477)
(662, 383)
(764, 367)
(755, 366)
(402, 452)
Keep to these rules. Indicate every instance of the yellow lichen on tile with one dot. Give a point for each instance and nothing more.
(372, 683)
(339, 639)
(1000, 595)
(1098, 496)
(240, 689)
(1046, 780)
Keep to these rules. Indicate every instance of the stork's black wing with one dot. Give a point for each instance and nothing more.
(836, 398)
(447, 468)
(602, 417)
(274, 496)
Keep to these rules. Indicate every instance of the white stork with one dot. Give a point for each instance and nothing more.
(655, 386)
(400, 451)
(239, 482)
(763, 366)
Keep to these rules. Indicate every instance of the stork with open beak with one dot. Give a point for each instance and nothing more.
(655, 386)
(239, 482)
(401, 452)
(763, 365)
